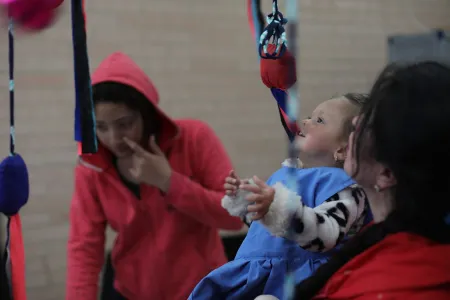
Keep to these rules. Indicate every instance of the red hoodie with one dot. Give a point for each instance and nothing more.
(402, 267)
(166, 243)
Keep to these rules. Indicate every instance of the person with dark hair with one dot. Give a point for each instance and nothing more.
(157, 182)
(400, 153)
(328, 210)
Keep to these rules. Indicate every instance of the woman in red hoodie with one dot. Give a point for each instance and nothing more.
(157, 182)
(400, 154)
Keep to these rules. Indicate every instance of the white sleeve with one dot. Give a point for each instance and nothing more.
(315, 229)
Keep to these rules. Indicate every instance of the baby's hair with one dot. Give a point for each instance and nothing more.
(357, 101)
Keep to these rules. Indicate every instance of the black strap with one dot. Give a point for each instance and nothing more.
(5, 288)
(11, 87)
(244, 220)
(290, 134)
(83, 89)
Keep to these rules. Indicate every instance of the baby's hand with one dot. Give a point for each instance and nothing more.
(262, 197)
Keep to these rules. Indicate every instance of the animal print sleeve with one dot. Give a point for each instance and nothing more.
(321, 228)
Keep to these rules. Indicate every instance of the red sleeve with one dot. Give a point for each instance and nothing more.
(86, 240)
(202, 200)
(437, 293)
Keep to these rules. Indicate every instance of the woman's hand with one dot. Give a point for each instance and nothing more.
(151, 168)
(262, 197)
(232, 183)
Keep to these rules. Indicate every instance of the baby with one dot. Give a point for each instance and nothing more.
(328, 207)
(316, 229)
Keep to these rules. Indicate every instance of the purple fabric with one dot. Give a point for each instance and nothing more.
(14, 184)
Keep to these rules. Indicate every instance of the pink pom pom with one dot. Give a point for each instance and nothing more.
(32, 15)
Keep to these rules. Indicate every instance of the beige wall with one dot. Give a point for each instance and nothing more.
(201, 56)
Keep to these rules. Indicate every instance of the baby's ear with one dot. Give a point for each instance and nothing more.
(341, 153)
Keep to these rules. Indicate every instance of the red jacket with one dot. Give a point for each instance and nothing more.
(402, 267)
(166, 243)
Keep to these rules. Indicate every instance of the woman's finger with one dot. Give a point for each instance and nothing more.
(137, 149)
(231, 180)
(228, 187)
(154, 147)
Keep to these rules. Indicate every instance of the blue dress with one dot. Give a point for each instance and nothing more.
(262, 261)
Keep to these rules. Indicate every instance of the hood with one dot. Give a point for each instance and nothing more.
(120, 68)
(402, 261)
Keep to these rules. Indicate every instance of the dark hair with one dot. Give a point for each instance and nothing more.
(117, 93)
(407, 120)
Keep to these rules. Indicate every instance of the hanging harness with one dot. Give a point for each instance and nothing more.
(278, 72)
(14, 192)
(276, 59)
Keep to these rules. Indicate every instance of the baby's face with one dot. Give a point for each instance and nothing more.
(321, 134)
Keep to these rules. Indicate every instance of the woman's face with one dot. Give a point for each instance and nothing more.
(114, 123)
